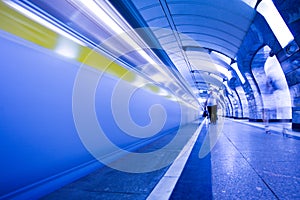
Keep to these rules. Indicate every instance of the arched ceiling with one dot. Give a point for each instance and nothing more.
(196, 28)
(217, 24)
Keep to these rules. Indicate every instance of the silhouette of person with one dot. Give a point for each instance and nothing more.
(211, 104)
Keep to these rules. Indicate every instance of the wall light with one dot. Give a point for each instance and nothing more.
(235, 67)
(277, 24)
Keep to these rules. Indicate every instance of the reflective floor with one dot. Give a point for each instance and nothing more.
(244, 163)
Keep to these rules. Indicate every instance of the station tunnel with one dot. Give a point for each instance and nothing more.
(104, 99)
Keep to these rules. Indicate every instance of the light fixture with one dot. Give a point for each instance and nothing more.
(236, 69)
(277, 24)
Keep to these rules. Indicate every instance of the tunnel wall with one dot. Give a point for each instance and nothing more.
(40, 146)
(258, 35)
(290, 61)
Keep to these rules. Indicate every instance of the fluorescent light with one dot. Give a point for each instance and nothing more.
(235, 67)
(274, 19)
(224, 71)
(226, 59)
(43, 22)
(219, 78)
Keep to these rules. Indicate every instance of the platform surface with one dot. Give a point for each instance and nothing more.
(240, 162)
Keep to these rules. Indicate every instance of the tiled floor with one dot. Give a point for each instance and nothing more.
(245, 163)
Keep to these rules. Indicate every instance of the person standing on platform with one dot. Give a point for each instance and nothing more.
(211, 104)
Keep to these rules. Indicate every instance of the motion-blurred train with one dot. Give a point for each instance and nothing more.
(59, 84)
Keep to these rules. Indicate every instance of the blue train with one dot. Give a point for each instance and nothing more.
(56, 92)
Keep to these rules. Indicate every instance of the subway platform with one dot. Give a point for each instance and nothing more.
(239, 162)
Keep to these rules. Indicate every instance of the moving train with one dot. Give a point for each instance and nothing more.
(62, 94)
